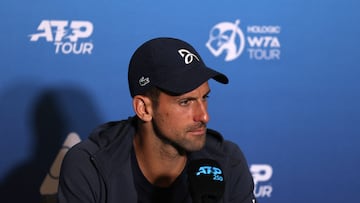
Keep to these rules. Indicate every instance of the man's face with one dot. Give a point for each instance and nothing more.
(181, 120)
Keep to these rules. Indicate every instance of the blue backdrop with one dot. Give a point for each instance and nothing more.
(292, 104)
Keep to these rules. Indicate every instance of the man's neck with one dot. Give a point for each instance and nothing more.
(161, 165)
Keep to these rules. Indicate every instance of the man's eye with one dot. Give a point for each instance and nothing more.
(206, 97)
(185, 102)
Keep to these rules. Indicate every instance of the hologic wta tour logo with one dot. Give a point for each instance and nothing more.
(261, 42)
(68, 37)
(262, 174)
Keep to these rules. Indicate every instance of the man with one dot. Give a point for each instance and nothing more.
(146, 157)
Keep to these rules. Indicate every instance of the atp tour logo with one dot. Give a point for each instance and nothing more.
(68, 37)
(262, 41)
(262, 174)
(211, 170)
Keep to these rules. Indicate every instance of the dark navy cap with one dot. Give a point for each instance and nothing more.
(169, 64)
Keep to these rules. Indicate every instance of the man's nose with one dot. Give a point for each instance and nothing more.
(202, 114)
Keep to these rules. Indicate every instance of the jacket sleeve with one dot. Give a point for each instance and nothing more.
(240, 187)
(79, 181)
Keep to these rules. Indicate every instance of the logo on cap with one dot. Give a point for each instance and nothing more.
(187, 55)
(144, 81)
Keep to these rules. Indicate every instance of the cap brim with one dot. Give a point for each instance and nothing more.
(191, 79)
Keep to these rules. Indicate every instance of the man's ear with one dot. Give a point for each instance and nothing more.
(142, 107)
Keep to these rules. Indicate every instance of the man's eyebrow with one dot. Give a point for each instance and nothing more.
(202, 96)
(207, 93)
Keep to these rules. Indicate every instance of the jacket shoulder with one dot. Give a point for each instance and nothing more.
(215, 141)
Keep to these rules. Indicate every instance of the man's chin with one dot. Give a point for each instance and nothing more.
(195, 147)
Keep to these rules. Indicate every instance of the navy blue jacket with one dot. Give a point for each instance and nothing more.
(98, 170)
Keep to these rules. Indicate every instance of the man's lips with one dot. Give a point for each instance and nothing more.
(198, 131)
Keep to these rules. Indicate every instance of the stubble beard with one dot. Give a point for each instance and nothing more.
(184, 145)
